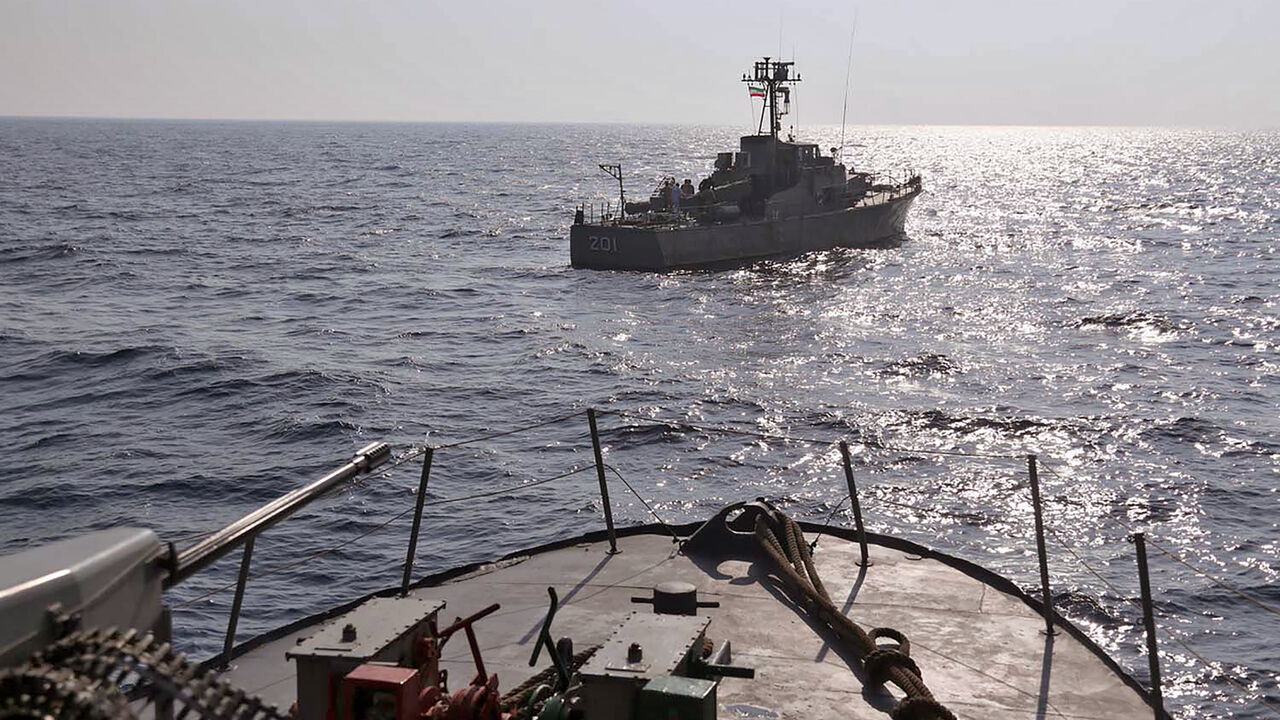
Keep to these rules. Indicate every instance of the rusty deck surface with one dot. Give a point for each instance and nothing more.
(982, 652)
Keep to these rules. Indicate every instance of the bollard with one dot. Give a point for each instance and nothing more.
(604, 487)
(230, 640)
(1148, 619)
(1044, 558)
(857, 507)
(417, 522)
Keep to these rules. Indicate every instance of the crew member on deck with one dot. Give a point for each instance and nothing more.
(686, 190)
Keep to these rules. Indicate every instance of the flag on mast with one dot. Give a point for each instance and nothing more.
(756, 90)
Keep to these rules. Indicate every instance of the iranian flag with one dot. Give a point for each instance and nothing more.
(756, 90)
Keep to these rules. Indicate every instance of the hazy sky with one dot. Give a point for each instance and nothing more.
(1162, 62)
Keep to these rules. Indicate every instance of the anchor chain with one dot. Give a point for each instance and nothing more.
(517, 697)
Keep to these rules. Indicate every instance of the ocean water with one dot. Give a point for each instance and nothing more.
(199, 316)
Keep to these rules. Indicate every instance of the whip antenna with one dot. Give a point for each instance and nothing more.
(848, 73)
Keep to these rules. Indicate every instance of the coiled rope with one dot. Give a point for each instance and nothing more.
(782, 539)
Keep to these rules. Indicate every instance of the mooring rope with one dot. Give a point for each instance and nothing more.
(782, 539)
(516, 698)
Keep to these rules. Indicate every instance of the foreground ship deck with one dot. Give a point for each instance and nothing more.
(979, 643)
(914, 634)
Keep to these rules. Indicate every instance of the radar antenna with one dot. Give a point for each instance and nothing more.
(774, 77)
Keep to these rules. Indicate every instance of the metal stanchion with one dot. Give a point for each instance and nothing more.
(857, 507)
(230, 641)
(1148, 619)
(604, 487)
(1044, 558)
(417, 521)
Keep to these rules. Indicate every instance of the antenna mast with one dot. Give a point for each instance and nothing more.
(615, 171)
(775, 77)
(847, 74)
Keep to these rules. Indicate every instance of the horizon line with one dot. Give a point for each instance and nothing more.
(389, 121)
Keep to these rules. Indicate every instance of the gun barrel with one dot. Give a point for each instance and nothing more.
(194, 558)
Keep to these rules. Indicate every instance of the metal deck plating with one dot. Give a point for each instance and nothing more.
(978, 644)
(979, 641)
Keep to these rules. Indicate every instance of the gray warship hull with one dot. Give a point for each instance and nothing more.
(619, 246)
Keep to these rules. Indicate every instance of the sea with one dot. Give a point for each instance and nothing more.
(196, 317)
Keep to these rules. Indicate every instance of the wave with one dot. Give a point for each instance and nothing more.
(1134, 319)
(51, 365)
(56, 250)
(921, 365)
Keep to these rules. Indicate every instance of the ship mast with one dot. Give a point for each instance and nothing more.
(774, 76)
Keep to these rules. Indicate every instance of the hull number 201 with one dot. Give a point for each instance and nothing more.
(602, 244)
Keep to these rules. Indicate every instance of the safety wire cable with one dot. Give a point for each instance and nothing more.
(1207, 663)
(961, 516)
(828, 443)
(383, 471)
(810, 440)
(827, 525)
(1210, 665)
(1175, 557)
(404, 457)
(875, 444)
(381, 526)
(654, 513)
(938, 512)
(505, 433)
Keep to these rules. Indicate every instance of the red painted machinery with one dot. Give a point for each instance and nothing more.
(383, 691)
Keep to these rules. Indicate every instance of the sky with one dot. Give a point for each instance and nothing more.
(936, 62)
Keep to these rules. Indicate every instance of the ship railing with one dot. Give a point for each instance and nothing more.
(610, 213)
(377, 458)
(601, 213)
(606, 214)
(891, 187)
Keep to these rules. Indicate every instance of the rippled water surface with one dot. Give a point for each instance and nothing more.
(197, 317)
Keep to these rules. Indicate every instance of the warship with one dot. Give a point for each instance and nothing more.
(742, 615)
(772, 198)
